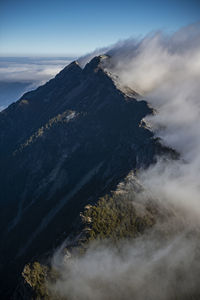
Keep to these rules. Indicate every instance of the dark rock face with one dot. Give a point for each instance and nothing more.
(61, 147)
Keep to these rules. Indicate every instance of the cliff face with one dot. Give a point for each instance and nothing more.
(62, 146)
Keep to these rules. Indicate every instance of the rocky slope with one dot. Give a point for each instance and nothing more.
(63, 146)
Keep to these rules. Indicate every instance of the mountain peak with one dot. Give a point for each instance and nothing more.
(95, 63)
(73, 64)
(73, 69)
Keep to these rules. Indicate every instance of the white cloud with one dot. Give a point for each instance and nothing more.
(164, 263)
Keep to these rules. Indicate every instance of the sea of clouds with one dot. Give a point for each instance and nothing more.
(21, 74)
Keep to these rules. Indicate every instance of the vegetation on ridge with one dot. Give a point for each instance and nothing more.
(112, 218)
(65, 117)
(115, 218)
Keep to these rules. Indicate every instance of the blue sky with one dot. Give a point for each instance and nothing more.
(58, 27)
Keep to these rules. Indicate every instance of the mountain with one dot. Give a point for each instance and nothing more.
(63, 146)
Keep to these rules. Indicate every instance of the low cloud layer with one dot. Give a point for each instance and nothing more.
(32, 69)
(21, 74)
(165, 263)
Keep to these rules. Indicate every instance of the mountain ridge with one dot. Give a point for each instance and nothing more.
(83, 136)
